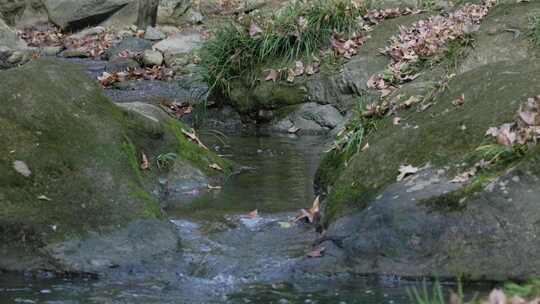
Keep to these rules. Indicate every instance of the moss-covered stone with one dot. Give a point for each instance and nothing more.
(84, 155)
(442, 135)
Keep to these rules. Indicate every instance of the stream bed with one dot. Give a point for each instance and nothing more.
(227, 256)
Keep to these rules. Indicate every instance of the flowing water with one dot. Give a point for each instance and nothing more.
(227, 257)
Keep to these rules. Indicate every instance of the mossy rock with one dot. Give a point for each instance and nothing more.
(83, 154)
(443, 135)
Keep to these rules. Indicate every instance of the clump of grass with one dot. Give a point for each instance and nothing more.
(166, 160)
(530, 289)
(298, 30)
(351, 139)
(436, 295)
(534, 32)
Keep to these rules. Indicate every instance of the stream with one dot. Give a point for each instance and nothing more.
(226, 256)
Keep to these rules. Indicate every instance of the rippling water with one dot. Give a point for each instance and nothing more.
(226, 257)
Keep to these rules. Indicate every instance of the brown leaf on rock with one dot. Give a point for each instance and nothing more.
(311, 213)
(216, 167)
(194, 138)
(497, 296)
(406, 170)
(459, 101)
(254, 30)
(273, 75)
(145, 164)
(316, 253)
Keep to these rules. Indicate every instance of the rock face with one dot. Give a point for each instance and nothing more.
(71, 163)
(21, 13)
(427, 224)
(77, 14)
(132, 45)
(179, 45)
(310, 118)
(12, 49)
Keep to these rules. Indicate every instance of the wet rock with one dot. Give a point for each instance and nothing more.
(151, 58)
(310, 118)
(21, 13)
(427, 225)
(82, 13)
(75, 53)
(120, 64)
(132, 45)
(153, 33)
(71, 136)
(8, 37)
(141, 240)
(179, 44)
(503, 37)
(88, 32)
(51, 50)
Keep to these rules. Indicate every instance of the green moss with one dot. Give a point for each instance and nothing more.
(444, 135)
(198, 156)
(151, 205)
(131, 153)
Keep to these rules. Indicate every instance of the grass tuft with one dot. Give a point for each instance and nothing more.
(534, 32)
(296, 31)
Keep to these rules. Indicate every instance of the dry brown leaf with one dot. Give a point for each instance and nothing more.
(365, 147)
(293, 130)
(406, 170)
(311, 213)
(497, 296)
(193, 137)
(273, 75)
(459, 101)
(215, 167)
(316, 253)
(254, 30)
(145, 164)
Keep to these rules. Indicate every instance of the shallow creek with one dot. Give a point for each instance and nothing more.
(225, 256)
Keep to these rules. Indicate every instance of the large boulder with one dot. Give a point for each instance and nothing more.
(455, 216)
(77, 14)
(13, 50)
(22, 13)
(72, 178)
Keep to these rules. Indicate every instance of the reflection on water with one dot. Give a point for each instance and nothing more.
(278, 177)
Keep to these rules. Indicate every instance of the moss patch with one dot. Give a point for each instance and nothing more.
(441, 135)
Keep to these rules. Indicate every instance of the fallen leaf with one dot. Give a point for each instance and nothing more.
(193, 137)
(412, 100)
(254, 30)
(44, 198)
(299, 68)
(272, 75)
(290, 75)
(311, 213)
(497, 296)
(293, 130)
(145, 164)
(216, 167)
(365, 147)
(459, 101)
(464, 177)
(406, 170)
(316, 253)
